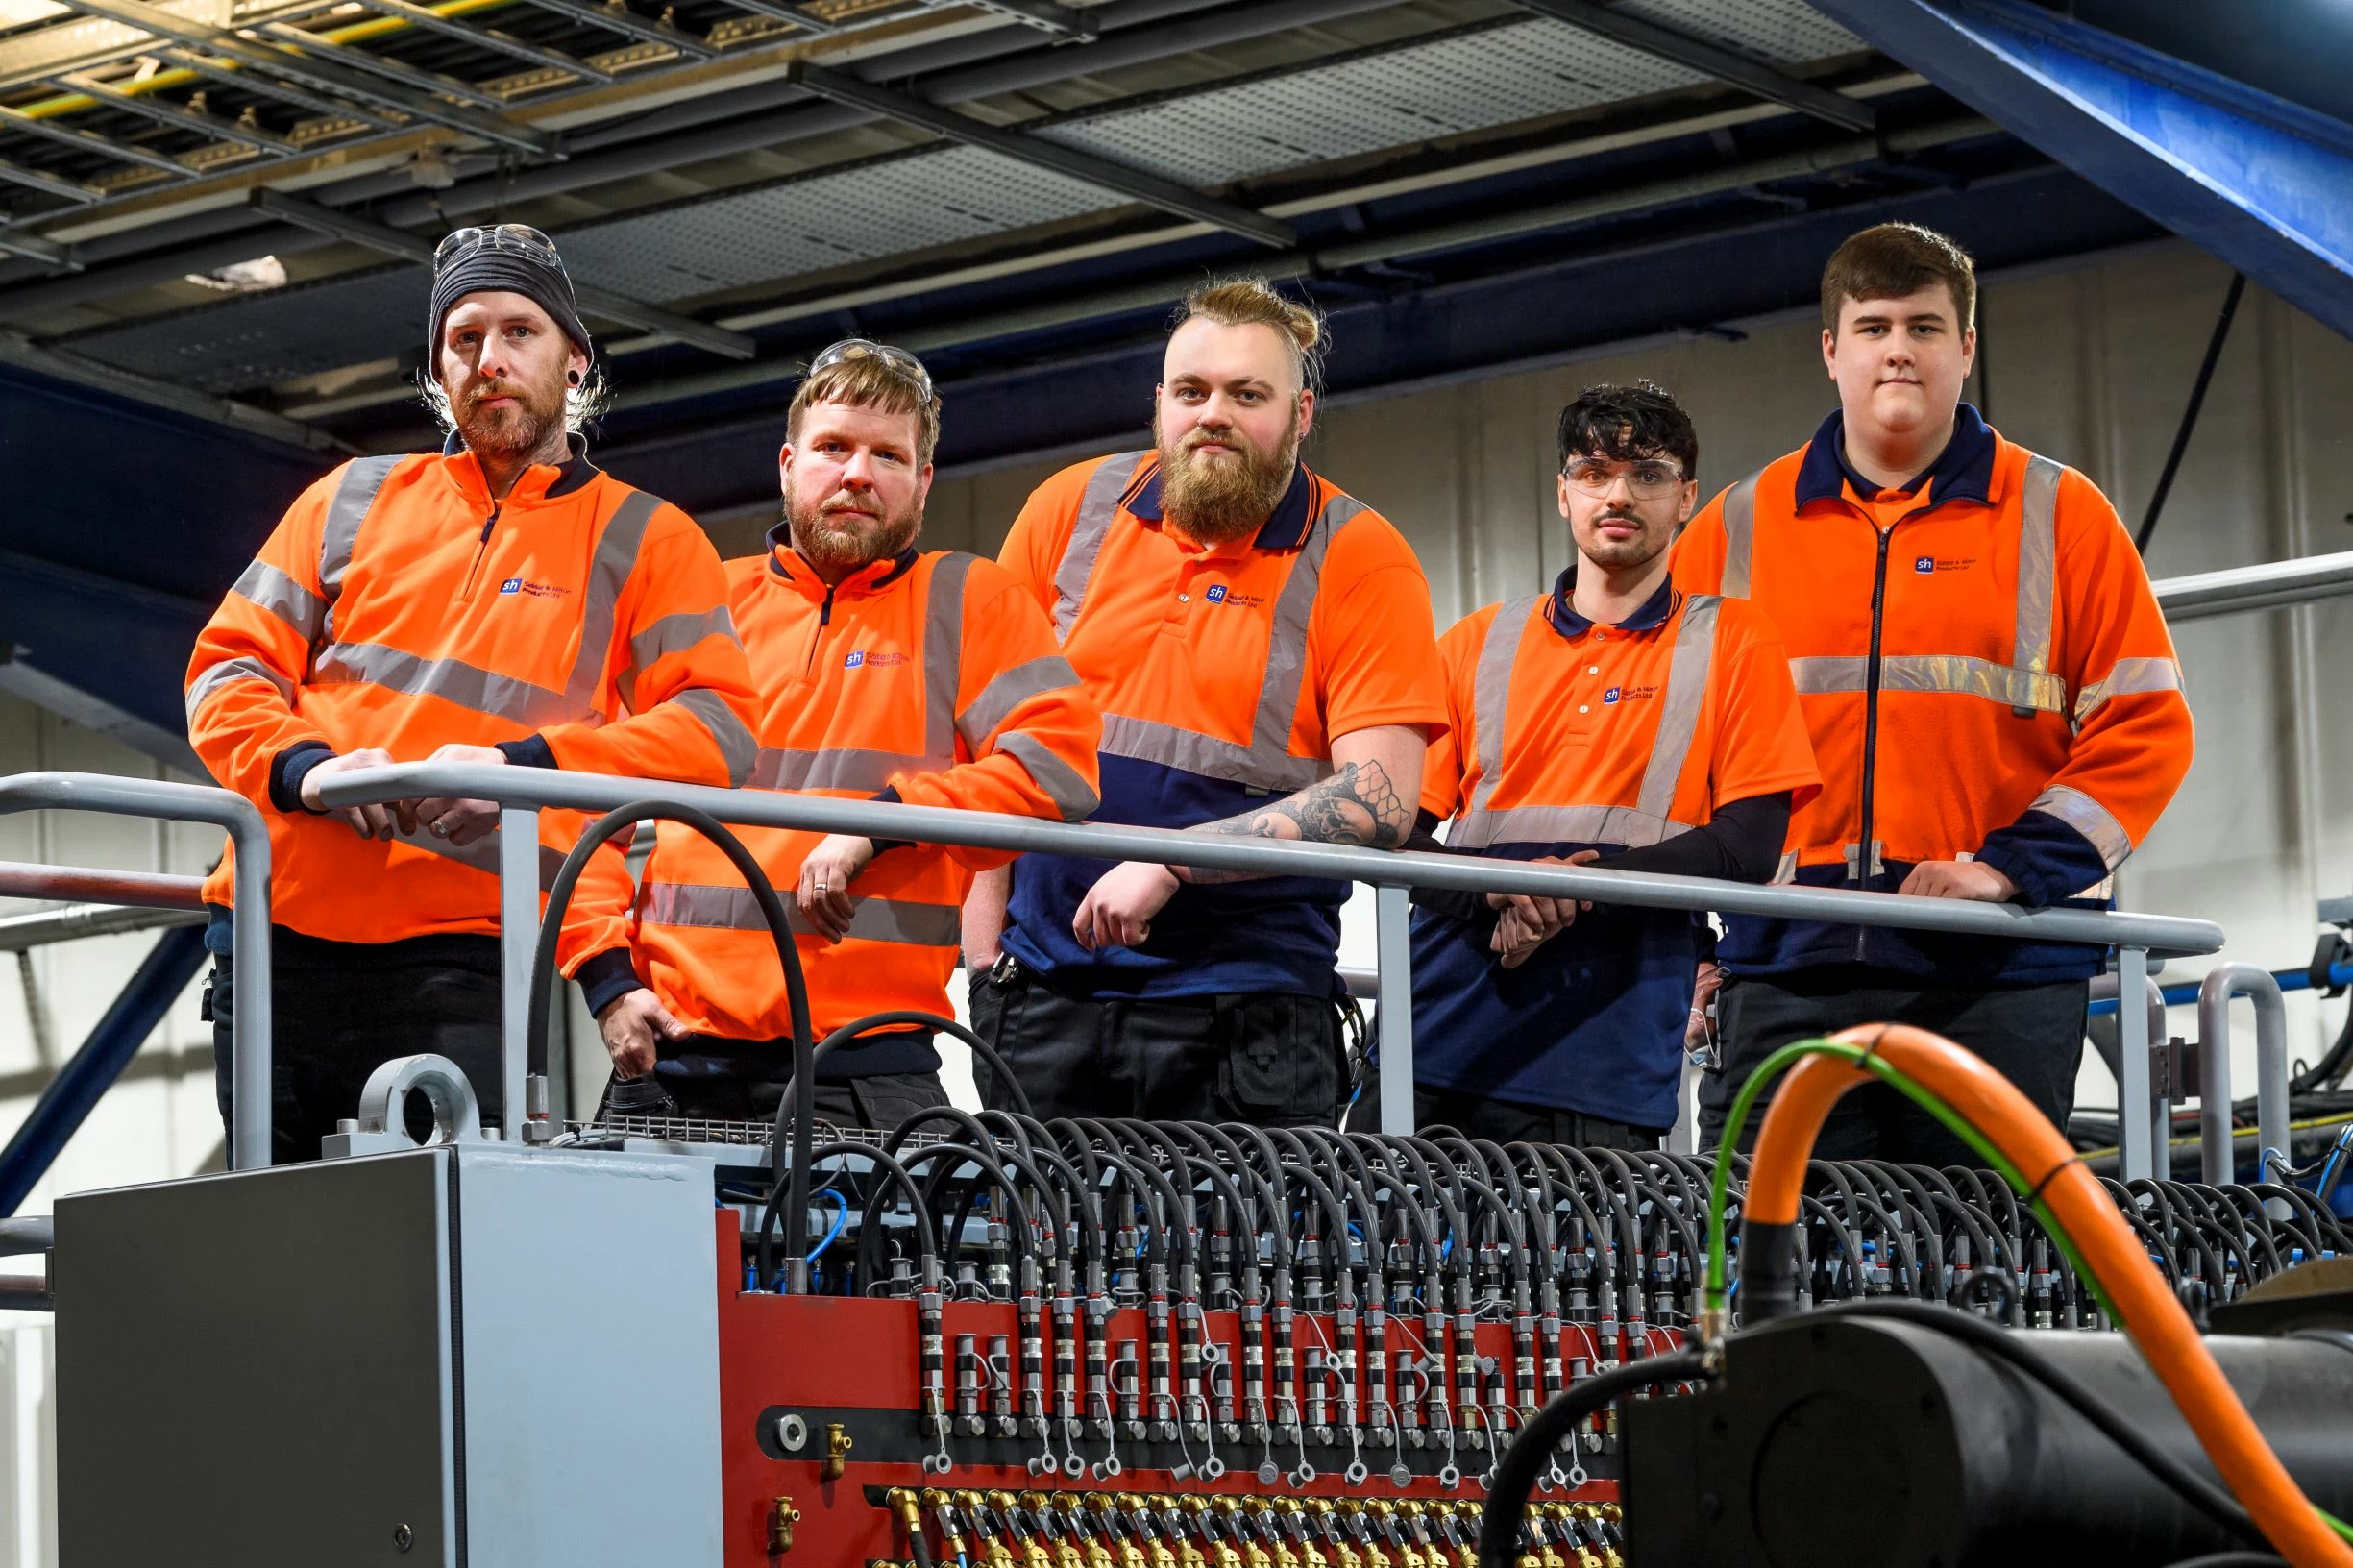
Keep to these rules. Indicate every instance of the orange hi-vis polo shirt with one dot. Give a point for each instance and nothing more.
(1224, 671)
(1985, 672)
(1566, 735)
(578, 623)
(929, 678)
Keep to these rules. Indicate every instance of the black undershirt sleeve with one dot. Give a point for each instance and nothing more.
(1741, 843)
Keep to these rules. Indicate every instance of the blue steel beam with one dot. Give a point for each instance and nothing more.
(2256, 180)
(84, 1080)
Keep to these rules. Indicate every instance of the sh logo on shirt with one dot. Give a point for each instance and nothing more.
(1612, 695)
(1216, 594)
(536, 590)
(1924, 564)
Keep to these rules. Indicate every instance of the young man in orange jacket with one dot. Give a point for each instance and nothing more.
(1991, 689)
(885, 674)
(1614, 720)
(499, 601)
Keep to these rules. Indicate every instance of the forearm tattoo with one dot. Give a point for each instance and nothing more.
(1359, 804)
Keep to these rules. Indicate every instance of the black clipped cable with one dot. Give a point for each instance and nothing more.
(1532, 1448)
(793, 1174)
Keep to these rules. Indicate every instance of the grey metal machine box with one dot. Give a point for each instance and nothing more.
(448, 1356)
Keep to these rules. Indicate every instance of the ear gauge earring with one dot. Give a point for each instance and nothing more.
(572, 376)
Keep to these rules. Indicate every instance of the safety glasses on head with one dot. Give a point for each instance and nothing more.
(898, 361)
(517, 239)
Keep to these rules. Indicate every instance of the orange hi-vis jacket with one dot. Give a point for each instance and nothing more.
(1566, 735)
(1224, 672)
(578, 623)
(928, 679)
(1984, 671)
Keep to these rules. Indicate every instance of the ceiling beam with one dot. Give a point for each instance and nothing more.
(90, 141)
(1135, 185)
(321, 73)
(596, 301)
(1047, 16)
(616, 16)
(73, 191)
(433, 84)
(230, 73)
(17, 350)
(1743, 71)
(33, 248)
(488, 38)
(153, 106)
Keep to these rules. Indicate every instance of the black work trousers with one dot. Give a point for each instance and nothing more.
(2031, 1034)
(1271, 1060)
(879, 1101)
(340, 1009)
(1508, 1121)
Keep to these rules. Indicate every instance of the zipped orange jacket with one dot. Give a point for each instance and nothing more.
(928, 679)
(576, 623)
(1984, 671)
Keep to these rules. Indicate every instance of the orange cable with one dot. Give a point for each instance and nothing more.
(2166, 1337)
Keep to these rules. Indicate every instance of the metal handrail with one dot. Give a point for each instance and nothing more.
(77, 884)
(2223, 982)
(167, 801)
(533, 788)
(522, 791)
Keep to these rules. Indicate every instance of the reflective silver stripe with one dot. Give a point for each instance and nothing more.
(1680, 705)
(453, 680)
(1623, 825)
(1061, 782)
(1499, 655)
(608, 574)
(944, 657)
(778, 768)
(736, 747)
(1739, 536)
(676, 633)
(1012, 687)
(214, 677)
(1098, 505)
(1287, 636)
(2038, 566)
(268, 589)
(735, 908)
(1146, 739)
(2129, 677)
(2089, 818)
(1824, 673)
(1787, 872)
(482, 854)
(339, 535)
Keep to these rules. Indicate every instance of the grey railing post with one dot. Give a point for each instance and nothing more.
(2142, 1143)
(2222, 982)
(517, 937)
(1394, 926)
(167, 801)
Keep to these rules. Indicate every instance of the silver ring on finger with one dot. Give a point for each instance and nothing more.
(440, 830)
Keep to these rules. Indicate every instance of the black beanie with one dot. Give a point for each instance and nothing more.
(493, 270)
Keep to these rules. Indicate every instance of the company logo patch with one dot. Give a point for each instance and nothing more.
(1925, 564)
(1613, 694)
(536, 590)
(1219, 592)
(862, 659)
(1216, 594)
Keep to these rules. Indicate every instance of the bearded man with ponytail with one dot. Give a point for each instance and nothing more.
(1260, 645)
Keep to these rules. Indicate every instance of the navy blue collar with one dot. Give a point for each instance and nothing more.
(574, 471)
(1964, 469)
(1560, 610)
(1286, 527)
(780, 539)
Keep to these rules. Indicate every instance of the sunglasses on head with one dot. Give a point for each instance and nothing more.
(515, 239)
(898, 361)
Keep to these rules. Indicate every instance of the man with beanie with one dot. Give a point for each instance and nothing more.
(499, 601)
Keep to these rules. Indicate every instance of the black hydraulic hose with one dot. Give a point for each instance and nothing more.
(1529, 1451)
(886, 1167)
(2194, 1489)
(792, 1179)
(900, 1018)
